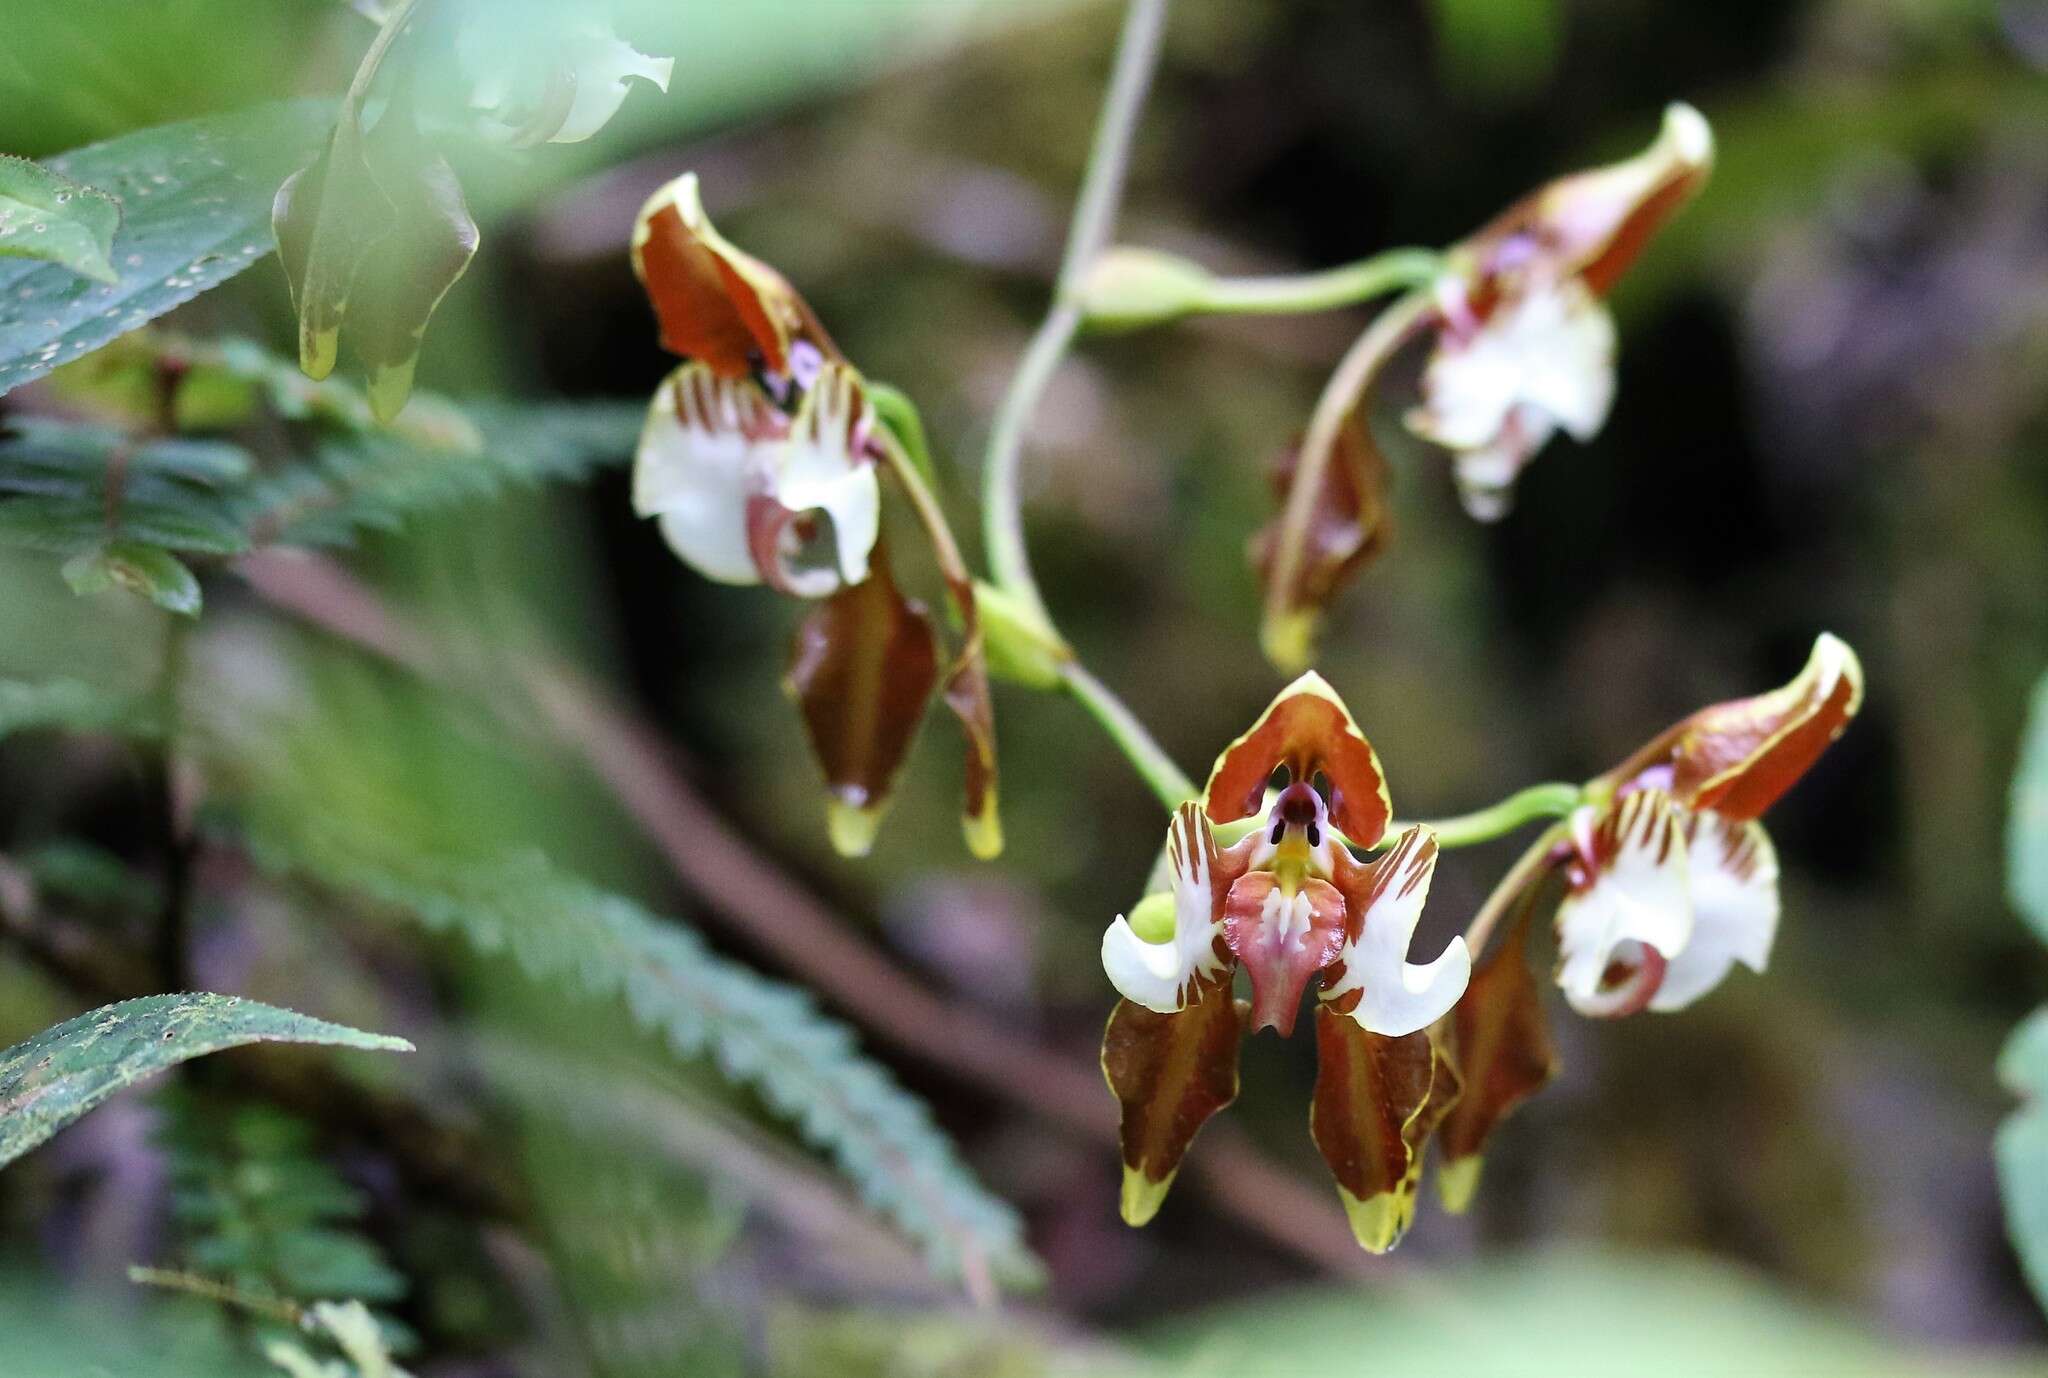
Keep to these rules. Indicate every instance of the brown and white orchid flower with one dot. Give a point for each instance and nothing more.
(760, 460)
(1287, 902)
(1668, 881)
(1521, 345)
(760, 447)
(1524, 343)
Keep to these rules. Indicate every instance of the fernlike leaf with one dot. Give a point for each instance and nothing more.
(195, 201)
(63, 1072)
(52, 218)
(806, 1067)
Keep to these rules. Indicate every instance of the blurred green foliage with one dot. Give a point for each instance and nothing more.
(1830, 415)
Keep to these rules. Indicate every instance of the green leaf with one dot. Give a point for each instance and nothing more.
(149, 570)
(74, 706)
(63, 1072)
(374, 231)
(196, 201)
(1560, 1313)
(2026, 836)
(52, 218)
(2022, 1148)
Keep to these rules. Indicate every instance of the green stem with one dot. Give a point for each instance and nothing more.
(1553, 800)
(1093, 222)
(1169, 784)
(1394, 270)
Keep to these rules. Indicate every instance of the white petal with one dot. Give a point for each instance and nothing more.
(1734, 908)
(1468, 390)
(1157, 975)
(819, 470)
(1399, 996)
(1568, 354)
(694, 471)
(1639, 894)
(604, 64)
(1549, 350)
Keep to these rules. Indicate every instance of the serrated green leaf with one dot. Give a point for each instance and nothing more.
(148, 570)
(757, 1033)
(196, 201)
(65, 1071)
(2027, 826)
(52, 218)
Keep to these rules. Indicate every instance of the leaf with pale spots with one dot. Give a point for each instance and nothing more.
(62, 1072)
(195, 201)
(56, 220)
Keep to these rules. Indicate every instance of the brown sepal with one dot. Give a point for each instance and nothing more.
(1499, 1037)
(1170, 1072)
(865, 663)
(1377, 1099)
(1350, 527)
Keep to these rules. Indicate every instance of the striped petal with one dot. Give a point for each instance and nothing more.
(1160, 975)
(1734, 884)
(1308, 729)
(1374, 982)
(1630, 909)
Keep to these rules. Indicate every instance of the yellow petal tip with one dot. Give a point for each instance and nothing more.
(1289, 641)
(1379, 1221)
(851, 828)
(1457, 1182)
(984, 833)
(1142, 1196)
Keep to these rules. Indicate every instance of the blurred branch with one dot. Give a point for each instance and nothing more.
(762, 904)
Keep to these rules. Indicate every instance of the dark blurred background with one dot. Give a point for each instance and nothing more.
(1830, 416)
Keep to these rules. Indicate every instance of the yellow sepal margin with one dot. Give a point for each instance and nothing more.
(1142, 1197)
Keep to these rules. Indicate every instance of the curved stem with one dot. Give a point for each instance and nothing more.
(1102, 184)
(1169, 784)
(1519, 876)
(1552, 800)
(1347, 285)
(1354, 374)
(1002, 512)
(1093, 222)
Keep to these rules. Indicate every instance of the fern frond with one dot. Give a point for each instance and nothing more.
(805, 1066)
(73, 487)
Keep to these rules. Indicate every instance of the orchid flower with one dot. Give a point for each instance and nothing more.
(1668, 882)
(1524, 343)
(764, 432)
(1287, 902)
(760, 461)
(1521, 345)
